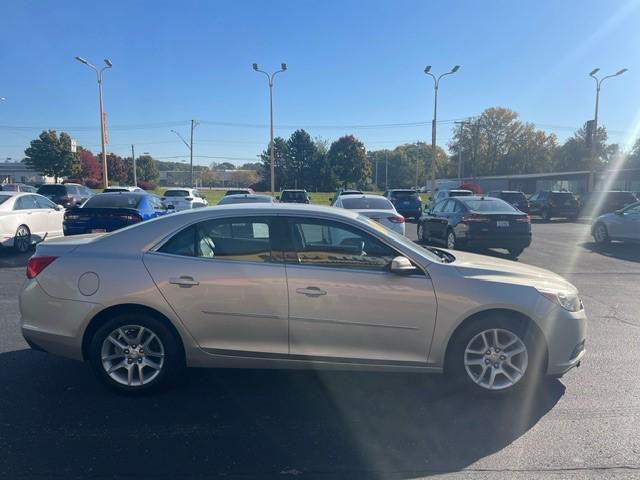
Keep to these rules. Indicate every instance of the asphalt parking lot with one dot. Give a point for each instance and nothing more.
(57, 422)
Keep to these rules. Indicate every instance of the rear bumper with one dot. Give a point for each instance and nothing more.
(51, 324)
(412, 212)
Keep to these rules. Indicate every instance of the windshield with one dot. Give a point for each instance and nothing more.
(114, 200)
(52, 190)
(293, 196)
(405, 195)
(367, 203)
(460, 193)
(513, 197)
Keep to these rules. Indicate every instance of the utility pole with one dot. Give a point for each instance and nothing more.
(135, 172)
(417, 157)
(386, 172)
(376, 182)
(194, 124)
(460, 170)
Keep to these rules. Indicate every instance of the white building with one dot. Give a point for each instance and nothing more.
(16, 172)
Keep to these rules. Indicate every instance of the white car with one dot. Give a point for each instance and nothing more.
(376, 207)
(28, 218)
(184, 199)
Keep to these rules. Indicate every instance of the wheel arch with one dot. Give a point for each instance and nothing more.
(524, 320)
(128, 308)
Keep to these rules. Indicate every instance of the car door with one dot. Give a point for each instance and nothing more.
(433, 224)
(534, 206)
(227, 285)
(54, 216)
(630, 223)
(32, 216)
(345, 304)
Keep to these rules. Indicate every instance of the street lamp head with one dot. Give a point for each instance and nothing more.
(455, 69)
(255, 66)
(621, 71)
(108, 62)
(427, 69)
(283, 66)
(594, 71)
(81, 60)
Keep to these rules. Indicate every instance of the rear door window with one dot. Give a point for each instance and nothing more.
(26, 202)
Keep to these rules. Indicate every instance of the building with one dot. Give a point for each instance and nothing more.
(577, 182)
(17, 172)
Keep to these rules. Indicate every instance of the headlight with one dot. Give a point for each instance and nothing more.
(568, 300)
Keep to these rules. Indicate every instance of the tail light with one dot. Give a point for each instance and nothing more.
(71, 216)
(189, 199)
(526, 219)
(396, 219)
(35, 265)
(475, 219)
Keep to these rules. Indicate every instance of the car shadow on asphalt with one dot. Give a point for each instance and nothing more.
(9, 258)
(56, 418)
(621, 251)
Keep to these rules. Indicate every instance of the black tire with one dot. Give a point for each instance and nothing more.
(535, 349)
(22, 239)
(172, 361)
(546, 215)
(450, 240)
(601, 234)
(420, 232)
(515, 252)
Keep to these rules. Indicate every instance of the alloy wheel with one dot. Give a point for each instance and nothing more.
(451, 240)
(600, 233)
(496, 359)
(22, 240)
(420, 233)
(132, 355)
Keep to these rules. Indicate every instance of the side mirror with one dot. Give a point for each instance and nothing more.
(278, 197)
(171, 207)
(402, 266)
(59, 207)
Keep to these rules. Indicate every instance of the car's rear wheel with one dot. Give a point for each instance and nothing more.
(495, 354)
(546, 215)
(22, 239)
(600, 233)
(451, 240)
(420, 231)
(135, 353)
(515, 252)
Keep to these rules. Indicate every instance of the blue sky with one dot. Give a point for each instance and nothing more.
(351, 64)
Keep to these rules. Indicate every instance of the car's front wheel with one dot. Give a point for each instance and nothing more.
(420, 231)
(600, 233)
(22, 239)
(495, 354)
(135, 353)
(451, 240)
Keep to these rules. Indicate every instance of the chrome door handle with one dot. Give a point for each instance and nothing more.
(311, 291)
(184, 281)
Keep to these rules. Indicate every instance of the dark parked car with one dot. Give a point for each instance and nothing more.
(294, 196)
(594, 204)
(554, 204)
(239, 191)
(515, 198)
(18, 187)
(68, 195)
(106, 212)
(481, 222)
(407, 202)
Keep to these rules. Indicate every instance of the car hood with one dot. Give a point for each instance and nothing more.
(483, 267)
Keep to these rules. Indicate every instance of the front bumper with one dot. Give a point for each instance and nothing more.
(52, 324)
(566, 335)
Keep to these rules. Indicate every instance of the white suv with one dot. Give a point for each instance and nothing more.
(184, 199)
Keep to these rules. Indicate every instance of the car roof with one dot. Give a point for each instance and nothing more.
(402, 190)
(128, 193)
(458, 190)
(368, 195)
(293, 190)
(508, 191)
(179, 188)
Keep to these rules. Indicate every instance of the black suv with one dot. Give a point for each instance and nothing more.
(294, 196)
(594, 204)
(515, 198)
(553, 204)
(407, 202)
(68, 194)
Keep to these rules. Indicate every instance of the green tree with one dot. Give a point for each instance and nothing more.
(51, 155)
(280, 166)
(146, 169)
(223, 166)
(348, 159)
(256, 166)
(633, 160)
(301, 151)
(118, 169)
(576, 153)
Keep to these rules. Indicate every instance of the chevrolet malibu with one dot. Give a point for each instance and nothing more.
(291, 286)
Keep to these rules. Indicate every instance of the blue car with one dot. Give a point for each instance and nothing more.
(107, 212)
(407, 202)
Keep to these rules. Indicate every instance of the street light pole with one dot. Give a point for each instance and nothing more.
(194, 124)
(436, 84)
(103, 131)
(283, 67)
(594, 134)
